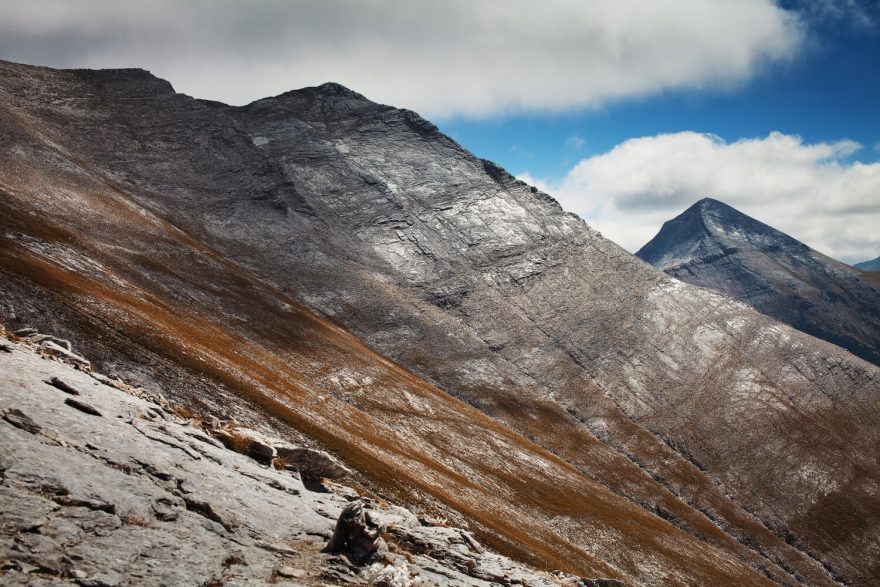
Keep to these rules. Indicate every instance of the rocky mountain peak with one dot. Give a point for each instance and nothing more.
(709, 229)
(714, 245)
(335, 89)
(723, 220)
(127, 82)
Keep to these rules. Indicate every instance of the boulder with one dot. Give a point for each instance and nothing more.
(43, 338)
(356, 535)
(312, 463)
(54, 349)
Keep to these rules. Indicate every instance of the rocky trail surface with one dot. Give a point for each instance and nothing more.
(343, 272)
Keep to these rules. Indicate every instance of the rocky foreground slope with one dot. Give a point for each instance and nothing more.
(104, 484)
(511, 368)
(715, 246)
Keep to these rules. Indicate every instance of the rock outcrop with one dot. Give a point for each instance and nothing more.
(137, 499)
(356, 535)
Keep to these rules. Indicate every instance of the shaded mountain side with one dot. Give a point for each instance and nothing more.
(738, 432)
(713, 245)
(872, 265)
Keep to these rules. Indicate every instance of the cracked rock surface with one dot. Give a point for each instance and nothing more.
(134, 499)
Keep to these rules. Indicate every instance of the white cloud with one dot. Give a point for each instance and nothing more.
(811, 191)
(575, 142)
(471, 57)
(857, 14)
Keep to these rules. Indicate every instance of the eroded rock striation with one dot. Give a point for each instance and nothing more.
(344, 271)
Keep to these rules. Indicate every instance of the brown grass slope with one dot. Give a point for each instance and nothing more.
(751, 439)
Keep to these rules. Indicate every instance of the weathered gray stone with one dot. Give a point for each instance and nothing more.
(356, 535)
(312, 463)
(21, 420)
(56, 350)
(114, 506)
(288, 572)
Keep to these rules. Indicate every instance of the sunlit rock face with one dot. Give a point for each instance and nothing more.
(579, 408)
(715, 246)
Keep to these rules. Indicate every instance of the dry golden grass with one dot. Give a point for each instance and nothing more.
(238, 442)
(185, 413)
(136, 520)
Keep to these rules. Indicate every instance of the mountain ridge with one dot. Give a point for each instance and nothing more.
(775, 273)
(872, 265)
(468, 279)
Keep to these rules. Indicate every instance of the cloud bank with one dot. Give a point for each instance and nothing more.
(811, 191)
(458, 57)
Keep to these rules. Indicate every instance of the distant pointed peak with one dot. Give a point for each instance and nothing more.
(710, 202)
(716, 215)
(709, 228)
(342, 97)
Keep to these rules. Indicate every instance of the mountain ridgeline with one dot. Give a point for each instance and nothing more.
(715, 246)
(343, 271)
(873, 265)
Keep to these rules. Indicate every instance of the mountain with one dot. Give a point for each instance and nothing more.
(873, 265)
(344, 273)
(715, 246)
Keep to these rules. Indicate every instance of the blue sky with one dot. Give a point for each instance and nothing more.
(829, 91)
(626, 111)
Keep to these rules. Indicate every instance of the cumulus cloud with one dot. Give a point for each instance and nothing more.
(814, 192)
(457, 57)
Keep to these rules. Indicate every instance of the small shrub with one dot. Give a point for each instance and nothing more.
(239, 442)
